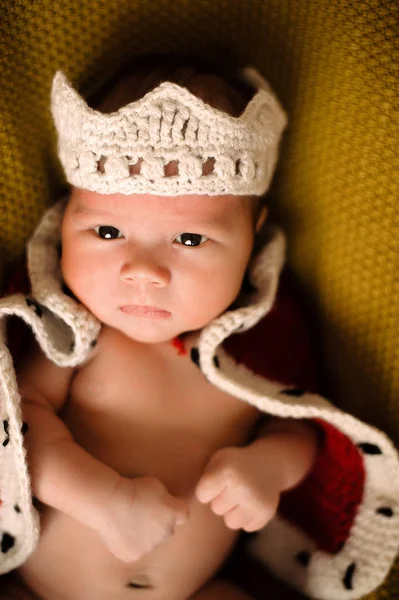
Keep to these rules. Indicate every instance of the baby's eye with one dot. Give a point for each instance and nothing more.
(107, 232)
(190, 239)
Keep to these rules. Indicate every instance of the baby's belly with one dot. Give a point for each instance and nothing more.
(72, 563)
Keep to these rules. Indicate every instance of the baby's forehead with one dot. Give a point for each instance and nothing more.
(202, 207)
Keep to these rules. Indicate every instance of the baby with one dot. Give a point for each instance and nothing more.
(145, 471)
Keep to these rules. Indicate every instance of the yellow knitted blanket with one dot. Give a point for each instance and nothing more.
(333, 64)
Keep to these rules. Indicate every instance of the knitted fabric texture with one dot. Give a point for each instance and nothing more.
(333, 64)
(169, 124)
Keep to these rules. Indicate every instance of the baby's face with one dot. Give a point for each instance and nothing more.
(154, 267)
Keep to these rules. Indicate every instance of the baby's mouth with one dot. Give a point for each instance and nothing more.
(146, 311)
(140, 581)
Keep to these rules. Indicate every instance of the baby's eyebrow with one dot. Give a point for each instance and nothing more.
(214, 221)
(221, 224)
(85, 210)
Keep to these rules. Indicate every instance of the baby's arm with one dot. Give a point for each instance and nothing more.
(293, 444)
(243, 484)
(63, 474)
(70, 479)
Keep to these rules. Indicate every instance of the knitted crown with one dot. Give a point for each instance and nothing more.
(128, 151)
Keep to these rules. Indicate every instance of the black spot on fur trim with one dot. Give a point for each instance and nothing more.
(72, 347)
(7, 542)
(293, 392)
(194, 355)
(385, 511)
(6, 429)
(216, 362)
(93, 343)
(303, 558)
(348, 578)
(24, 428)
(35, 306)
(17, 508)
(368, 448)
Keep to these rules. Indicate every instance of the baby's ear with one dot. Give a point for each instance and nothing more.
(261, 218)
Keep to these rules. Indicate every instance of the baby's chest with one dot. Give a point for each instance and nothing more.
(148, 415)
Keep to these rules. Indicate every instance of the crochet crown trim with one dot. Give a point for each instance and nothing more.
(129, 151)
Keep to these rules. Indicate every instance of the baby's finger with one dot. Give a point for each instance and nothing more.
(223, 502)
(209, 486)
(255, 524)
(261, 515)
(237, 518)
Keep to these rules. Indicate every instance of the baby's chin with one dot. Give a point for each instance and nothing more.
(148, 333)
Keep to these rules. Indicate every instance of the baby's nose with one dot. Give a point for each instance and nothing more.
(145, 271)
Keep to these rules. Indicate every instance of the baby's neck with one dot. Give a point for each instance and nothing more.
(179, 346)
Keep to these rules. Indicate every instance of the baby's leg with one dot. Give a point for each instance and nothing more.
(220, 589)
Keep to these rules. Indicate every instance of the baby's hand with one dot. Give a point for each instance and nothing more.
(242, 485)
(139, 516)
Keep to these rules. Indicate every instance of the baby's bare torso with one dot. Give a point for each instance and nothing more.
(142, 411)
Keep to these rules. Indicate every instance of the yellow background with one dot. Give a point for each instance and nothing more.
(334, 65)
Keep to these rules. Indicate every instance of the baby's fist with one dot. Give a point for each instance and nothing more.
(235, 486)
(139, 516)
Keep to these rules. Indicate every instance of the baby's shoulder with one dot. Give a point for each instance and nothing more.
(108, 340)
(38, 376)
(96, 348)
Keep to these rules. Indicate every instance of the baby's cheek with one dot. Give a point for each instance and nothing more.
(81, 275)
(69, 266)
(215, 294)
